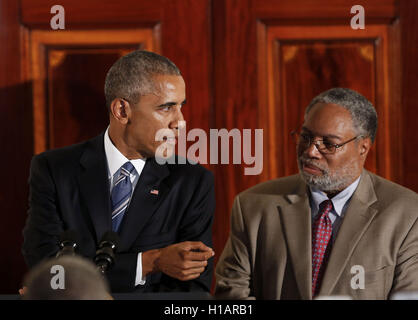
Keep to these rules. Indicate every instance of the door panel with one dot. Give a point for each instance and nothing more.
(68, 69)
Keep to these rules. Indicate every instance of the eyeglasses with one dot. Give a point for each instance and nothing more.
(325, 147)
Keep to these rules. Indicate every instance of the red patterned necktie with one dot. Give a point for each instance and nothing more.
(321, 235)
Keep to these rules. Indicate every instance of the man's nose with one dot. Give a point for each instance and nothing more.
(178, 119)
(312, 151)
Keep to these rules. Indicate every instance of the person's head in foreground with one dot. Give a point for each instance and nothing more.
(338, 131)
(66, 278)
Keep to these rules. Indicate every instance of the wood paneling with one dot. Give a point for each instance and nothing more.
(186, 40)
(75, 97)
(235, 99)
(16, 147)
(258, 84)
(93, 14)
(303, 61)
(68, 73)
(315, 12)
(408, 86)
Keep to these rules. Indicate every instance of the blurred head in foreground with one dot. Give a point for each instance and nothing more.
(66, 278)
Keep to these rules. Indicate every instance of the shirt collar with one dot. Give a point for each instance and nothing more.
(115, 159)
(338, 200)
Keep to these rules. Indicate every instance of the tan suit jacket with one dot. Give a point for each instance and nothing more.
(268, 253)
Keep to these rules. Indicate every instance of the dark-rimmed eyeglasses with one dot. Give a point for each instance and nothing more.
(305, 140)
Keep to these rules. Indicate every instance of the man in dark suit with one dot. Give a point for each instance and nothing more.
(163, 213)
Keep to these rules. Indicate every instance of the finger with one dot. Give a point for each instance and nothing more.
(187, 265)
(183, 265)
(197, 245)
(197, 256)
(189, 276)
(191, 271)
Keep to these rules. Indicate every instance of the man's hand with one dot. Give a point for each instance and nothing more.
(183, 261)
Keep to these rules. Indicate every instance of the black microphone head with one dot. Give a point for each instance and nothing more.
(69, 237)
(68, 243)
(110, 238)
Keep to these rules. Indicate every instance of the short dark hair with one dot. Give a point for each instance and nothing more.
(82, 281)
(362, 110)
(131, 75)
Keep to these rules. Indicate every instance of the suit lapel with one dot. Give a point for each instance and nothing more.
(297, 228)
(143, 203)
(358, 217)
(94, 185)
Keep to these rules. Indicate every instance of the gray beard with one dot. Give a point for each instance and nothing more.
(329, 182)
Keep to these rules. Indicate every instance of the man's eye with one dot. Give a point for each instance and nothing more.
(328, 145)
(166, 108)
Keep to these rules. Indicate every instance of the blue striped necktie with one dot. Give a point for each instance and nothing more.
(121, 194)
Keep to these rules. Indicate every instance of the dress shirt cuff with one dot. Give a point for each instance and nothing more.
(138, 278)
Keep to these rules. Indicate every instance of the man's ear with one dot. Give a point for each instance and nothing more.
(365, 145)
(120, 110)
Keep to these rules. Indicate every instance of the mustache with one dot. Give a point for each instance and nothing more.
(303, 160)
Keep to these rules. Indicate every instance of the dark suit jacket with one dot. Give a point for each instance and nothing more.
(69, 189)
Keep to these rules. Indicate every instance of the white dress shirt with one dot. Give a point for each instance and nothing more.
(115, 160)
(340, 204)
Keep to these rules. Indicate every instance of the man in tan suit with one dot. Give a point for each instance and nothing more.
(335, 229)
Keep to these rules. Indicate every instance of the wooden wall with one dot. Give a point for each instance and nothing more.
(247, 64)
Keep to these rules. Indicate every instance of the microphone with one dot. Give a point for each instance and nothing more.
(105, 255)
(68, 243)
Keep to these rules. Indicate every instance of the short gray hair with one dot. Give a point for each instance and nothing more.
(362, 110)
(82, 281)
(131, 75)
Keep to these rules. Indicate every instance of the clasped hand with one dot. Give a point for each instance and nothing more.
(184, 261)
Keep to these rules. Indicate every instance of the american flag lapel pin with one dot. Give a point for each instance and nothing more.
(154, 191)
